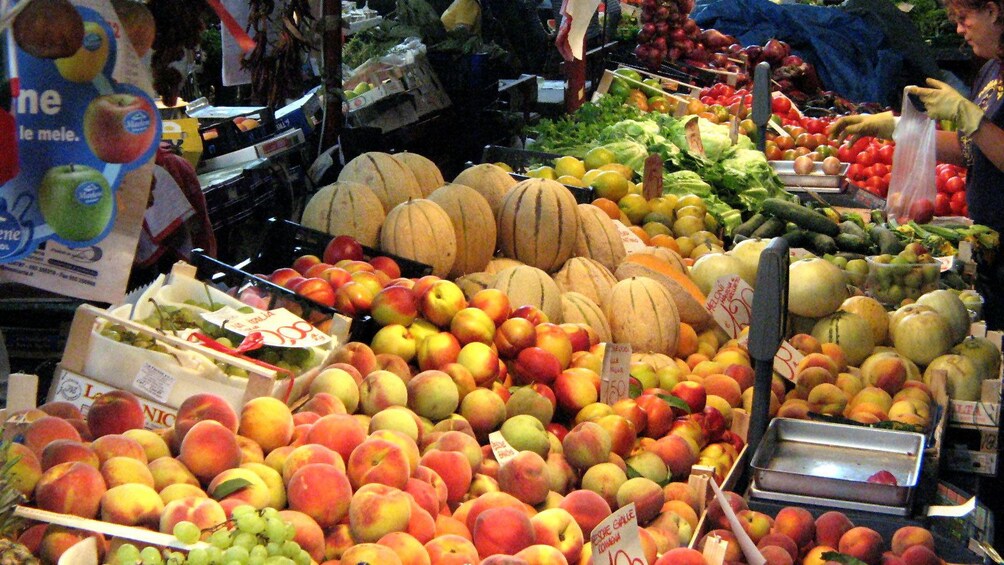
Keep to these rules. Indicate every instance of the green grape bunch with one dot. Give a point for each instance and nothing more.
(251, 537)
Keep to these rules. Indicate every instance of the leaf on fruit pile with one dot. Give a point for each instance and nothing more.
(226, 488)
(634, 388)
(842, 558)
(675, 402)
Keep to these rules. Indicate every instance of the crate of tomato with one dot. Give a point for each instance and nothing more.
(951, 198)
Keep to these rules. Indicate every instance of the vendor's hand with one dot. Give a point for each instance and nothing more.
(878, 125)
(945, 103)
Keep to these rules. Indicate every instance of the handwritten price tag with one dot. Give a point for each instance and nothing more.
(279, 327)
(787, 359)
(615, 540)
(615, 373)
(730, 304)
(632, 243)
(501, 448)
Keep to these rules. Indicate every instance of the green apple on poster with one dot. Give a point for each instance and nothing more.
(76, 202)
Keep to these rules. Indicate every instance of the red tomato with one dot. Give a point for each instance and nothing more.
(780, 105)
(955, 185)
(887, 178)
(868, 171)
(844, 154)
(861, 144)
(708, 100)
(854, 171)
(865, 159)
(942, 206)
(958, 203)
(879, 169)
(885, 154)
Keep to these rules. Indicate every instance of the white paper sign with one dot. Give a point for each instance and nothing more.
(632, 243)
(730, 304)
(615, 540)
(501, 448)
(154, 382)
(615, 375)
(278, 327)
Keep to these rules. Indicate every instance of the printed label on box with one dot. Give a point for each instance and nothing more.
(615, 539)
(154, 382)
(615, 374)
(82, 391)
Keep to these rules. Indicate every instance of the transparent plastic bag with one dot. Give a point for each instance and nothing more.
(912, 186)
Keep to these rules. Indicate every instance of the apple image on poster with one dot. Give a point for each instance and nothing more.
(76, 202)
(119, 127)
(90, 59)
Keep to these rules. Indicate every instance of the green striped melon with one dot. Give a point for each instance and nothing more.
(421, 230)
(426, 172)
(346, 208)
(473, 224)
(598, 238)
(538, 223)
(579, 309)
(587, 277)
(526, 285)
(641, 312)
(475, 282)
(391, 181)
(492, 181)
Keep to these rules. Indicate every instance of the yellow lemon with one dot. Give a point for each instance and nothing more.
(609, 184)
(542, 172)
(635, 207)
(569, 166)
(624, 170)
(570, 180)
(590, 176)
(504, 166)
(597, 157)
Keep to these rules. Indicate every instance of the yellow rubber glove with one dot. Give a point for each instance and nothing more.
(878, 125)
(945, 103)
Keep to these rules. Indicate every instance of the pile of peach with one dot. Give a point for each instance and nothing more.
(887, 387)
(794, 535)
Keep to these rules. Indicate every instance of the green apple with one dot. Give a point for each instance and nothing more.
(76, 202)
(90, 59)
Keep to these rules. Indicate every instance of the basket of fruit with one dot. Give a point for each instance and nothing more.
(890, 278)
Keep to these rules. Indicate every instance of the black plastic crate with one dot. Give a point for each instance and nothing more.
(521, 159)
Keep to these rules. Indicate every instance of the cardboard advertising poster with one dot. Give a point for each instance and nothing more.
(87, 131)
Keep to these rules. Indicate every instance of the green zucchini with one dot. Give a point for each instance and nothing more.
(797, 238)
(853, 243)
(852, 228)
(822, 243)
(886, 240)
(749, 226)
(800, 215)
(772, 227)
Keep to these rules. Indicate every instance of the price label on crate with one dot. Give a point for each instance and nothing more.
(279, 327)
(615, 380)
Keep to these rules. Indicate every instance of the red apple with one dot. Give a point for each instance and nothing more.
(394, 305)
(387, 265)
(119, 128)
(304, 262)
(342, 247)
(316, 289)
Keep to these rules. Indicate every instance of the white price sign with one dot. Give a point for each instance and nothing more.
(278, 327)
(730, 304)
(632, 243)
(615, 540)
(615, 381)
(501, 448)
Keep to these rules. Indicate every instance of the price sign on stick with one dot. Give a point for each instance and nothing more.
(279, 327)
(615, 380)
(615, 540)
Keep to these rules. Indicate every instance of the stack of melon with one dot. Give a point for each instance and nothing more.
(564, 258)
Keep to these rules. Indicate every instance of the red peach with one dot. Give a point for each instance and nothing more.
(831, 526)
(863, 543)
(45, 430)
(339, 432)
(320, 491)
(115, 412)
(587, 507)
(502, 530)
(208, 449)
(308, 534)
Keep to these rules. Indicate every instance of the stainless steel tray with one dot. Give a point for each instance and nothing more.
(802, 500)
(815, 181)
(826, 460)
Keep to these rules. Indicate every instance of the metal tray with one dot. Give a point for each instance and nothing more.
(816, 181)
(803, 500)
(834, 461)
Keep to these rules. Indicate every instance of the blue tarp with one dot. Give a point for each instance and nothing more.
(851, 56)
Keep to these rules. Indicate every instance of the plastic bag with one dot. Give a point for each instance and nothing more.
(912, 187)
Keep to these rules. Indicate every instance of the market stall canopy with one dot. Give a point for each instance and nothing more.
(852, 56)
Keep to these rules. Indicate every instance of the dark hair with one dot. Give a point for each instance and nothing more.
(954, 7)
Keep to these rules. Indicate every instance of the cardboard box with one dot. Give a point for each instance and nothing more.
(81, 392)
(678, 96)
(303, 114)
(423, 82)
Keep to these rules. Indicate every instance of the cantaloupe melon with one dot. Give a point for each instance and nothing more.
(346, 208)
(475, 282)
(526, 285)
(656, 360)
(499, 264)
(490, 180)
(688, 298)
(588, 277)
(421, 230)
(578, 308)
(391, 181)
(665, 254)
(641, 312)
(473, 224)
(598, 238)
(538, 223)
(426, 172)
